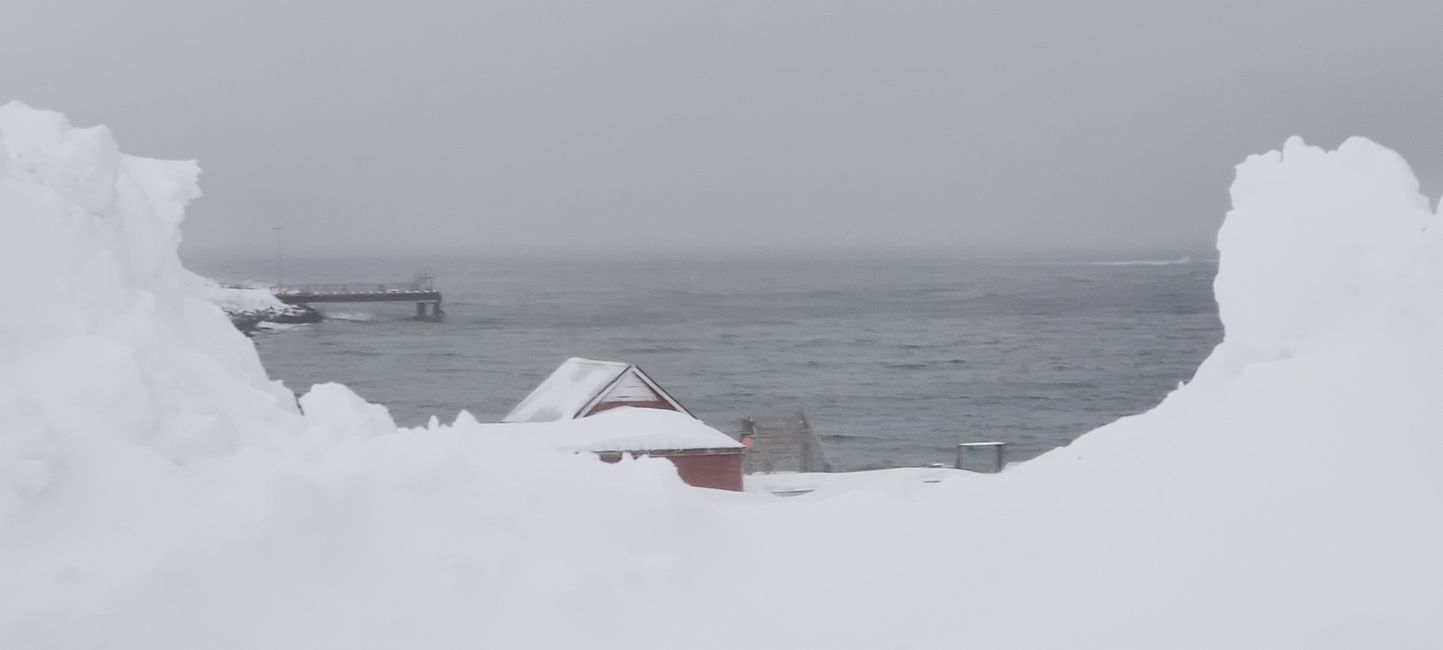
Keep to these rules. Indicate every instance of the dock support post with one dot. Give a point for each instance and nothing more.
(430, 311)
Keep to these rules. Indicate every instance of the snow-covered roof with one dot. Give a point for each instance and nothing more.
(628, 429)
(576, 386)
(569, 388)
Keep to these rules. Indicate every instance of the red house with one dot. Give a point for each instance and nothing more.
(703, 456)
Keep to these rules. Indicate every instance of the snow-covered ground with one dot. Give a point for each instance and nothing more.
(897, 481)
(157, 490)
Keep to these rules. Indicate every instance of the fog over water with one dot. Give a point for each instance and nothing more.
(362, 126)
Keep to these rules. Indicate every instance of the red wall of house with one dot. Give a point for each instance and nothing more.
(719, 471)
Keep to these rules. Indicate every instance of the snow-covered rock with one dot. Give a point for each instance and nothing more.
(249, 308)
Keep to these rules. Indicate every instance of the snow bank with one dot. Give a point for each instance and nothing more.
(1315, 238)
(157, 491)
(109, 350)
(1290, 490)
(624, 429)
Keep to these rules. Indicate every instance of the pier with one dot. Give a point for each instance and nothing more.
(420, 291)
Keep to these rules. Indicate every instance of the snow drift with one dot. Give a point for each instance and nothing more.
(158, 491)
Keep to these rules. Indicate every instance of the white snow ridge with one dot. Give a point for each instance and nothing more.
(157, 491)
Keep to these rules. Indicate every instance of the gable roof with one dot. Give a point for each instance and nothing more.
(577, 386)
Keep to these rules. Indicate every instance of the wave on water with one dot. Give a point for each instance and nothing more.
(1179, 261)
(655, 349)
(266, 326)
(350, 315)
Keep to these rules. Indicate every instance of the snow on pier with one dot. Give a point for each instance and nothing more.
(421, 291)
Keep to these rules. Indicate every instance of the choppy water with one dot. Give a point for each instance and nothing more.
(894, 360)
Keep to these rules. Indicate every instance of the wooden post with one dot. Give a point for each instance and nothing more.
(420, 311)
(999, 450)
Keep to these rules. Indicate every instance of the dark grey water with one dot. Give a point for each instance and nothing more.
(893, 360)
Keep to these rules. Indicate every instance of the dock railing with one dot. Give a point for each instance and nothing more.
(420, 290)
(357, 288)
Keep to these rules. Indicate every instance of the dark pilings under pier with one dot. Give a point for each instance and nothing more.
(431, 314)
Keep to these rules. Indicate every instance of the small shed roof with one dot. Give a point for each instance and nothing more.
(574, 387)
(631, 429)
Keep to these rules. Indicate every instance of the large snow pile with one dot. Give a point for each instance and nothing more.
(157, 491)
(104, 350)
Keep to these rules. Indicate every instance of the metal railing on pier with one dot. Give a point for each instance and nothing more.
(422, 291)
(356, 288)
(422, 284)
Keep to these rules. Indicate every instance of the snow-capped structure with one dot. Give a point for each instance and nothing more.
(703, 456)
(251, 308)
(582, 387)
(616, 409)
(158, 491)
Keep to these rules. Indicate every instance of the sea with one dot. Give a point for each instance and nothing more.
(892, 358)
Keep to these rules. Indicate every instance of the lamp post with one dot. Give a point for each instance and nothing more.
(280, 259)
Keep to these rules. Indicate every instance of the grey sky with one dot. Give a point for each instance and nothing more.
(529, 124)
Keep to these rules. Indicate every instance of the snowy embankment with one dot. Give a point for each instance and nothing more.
(158, 491)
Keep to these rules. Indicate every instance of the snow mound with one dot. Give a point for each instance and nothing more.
(1314, 238)
(626, 429)
(158, 491)
(111, 351)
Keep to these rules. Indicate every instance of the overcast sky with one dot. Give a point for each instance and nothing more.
(474, 125)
